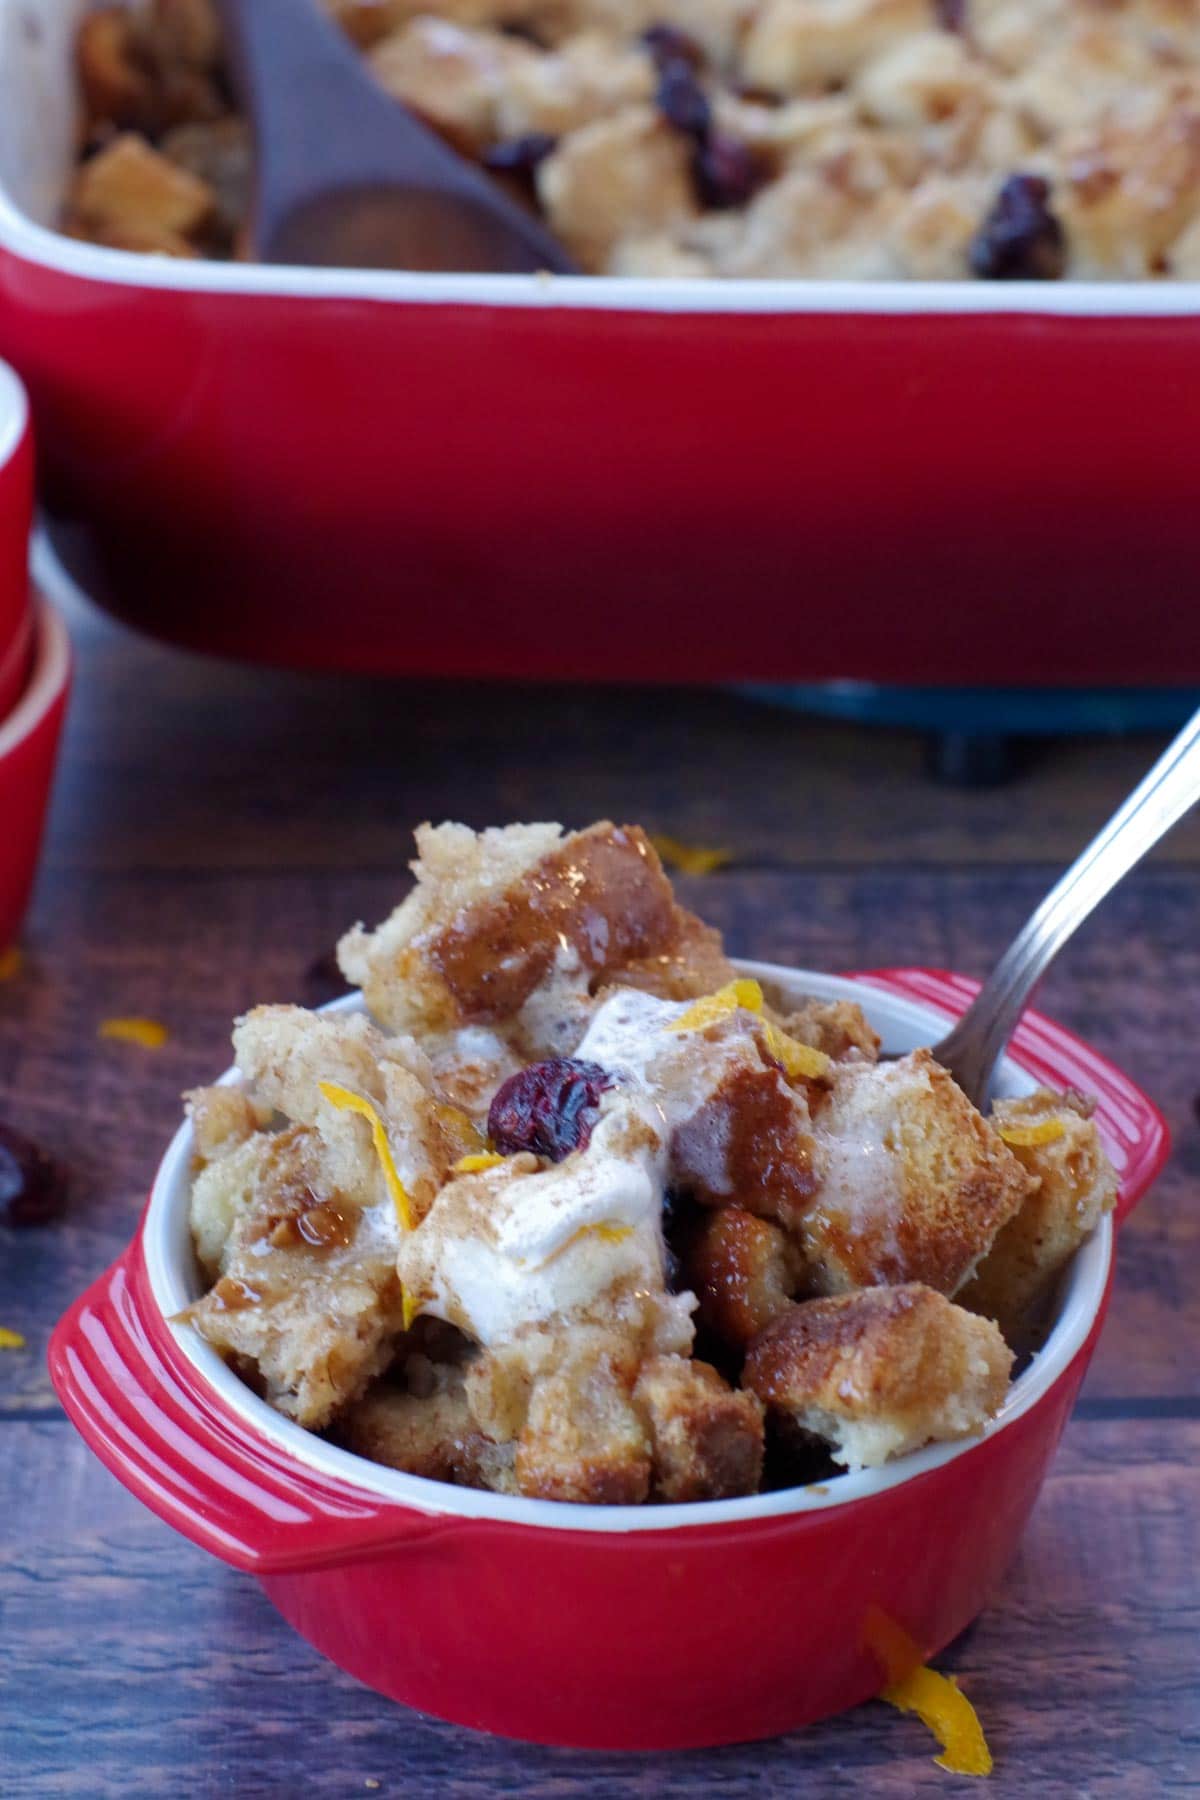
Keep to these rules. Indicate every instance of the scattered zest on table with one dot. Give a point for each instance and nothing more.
(148, 1034)
(10, 1340)
(690, 859)
(1024, 1137)
(10, 963)
(345, 1101)
(939, 1703)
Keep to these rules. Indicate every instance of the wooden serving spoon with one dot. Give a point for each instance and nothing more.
(347, 177)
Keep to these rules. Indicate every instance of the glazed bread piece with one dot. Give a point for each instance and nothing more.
(1072, 1186)
(518, 926)
(287, 1054)
(743, 1270)
(307, 1303)
(913, 1183)
(429, 1432)
(880, 1372)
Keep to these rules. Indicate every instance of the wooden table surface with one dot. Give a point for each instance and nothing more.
(214, 829)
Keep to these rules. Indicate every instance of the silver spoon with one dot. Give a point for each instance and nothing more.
(972, 1050)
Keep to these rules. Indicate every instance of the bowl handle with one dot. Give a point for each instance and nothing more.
(141, 1407)
(1134, 1131)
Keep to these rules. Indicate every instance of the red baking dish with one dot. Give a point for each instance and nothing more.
(524, 476)
(28, 752)
(614, 1627)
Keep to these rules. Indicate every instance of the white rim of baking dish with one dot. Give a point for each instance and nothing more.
(14, 413)
(904, 1024)
(47, 679)
(596, 293)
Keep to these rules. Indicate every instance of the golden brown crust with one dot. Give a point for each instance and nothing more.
(308, 1292)
(742, 1269)
(880, 1372)
(1072, 1186)
(914, 1183)
(706, 1439)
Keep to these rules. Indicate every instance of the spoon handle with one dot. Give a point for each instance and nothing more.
(1160, 800)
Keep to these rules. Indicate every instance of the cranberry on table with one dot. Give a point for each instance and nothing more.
(667, 44)
(1020, 239)
(33, 1189)
(549, 1108)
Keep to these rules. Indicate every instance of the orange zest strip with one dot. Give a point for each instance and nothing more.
(10, 1340)
(797, 1058)
(471, 1165)
(346, 1101)
(939, 1704)
(148, 1034)
(690, 859)
(744, 993)
(10, 963)
(1024, 1137)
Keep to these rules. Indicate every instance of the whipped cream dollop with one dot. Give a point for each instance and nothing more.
(516, 1245)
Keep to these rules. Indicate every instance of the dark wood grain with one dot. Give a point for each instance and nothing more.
(214, 830)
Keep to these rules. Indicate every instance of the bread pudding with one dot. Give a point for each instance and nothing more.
(869, 139)
(579, 1214)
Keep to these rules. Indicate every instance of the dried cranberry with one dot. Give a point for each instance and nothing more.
(33, 1188)
(519, 155)
(727, 172)
(1020, 239)
(548, 1108)
(667, 44)
(951, 15)
(682, 101)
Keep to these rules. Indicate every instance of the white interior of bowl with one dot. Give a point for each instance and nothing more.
(38, 118)
(51, 666)
(903, 1025)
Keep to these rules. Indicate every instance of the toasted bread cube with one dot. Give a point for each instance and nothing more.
(518, 926)
(452, 75)
(223, 1118)
(308, 1297)
(706, 1439)
(743, 1270)
(623, 177)
(838, 1027)
(431, 1434)
(913, 1183)
(129, 187)
(1073, 1185)
(583, 1439)
(880, 1372)
(117, 88)
(793, 45)
(288, 1053)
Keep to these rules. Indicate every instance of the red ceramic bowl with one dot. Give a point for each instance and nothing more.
(505, 475)
(16, 509)
(28, 752)
(613, 1627)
